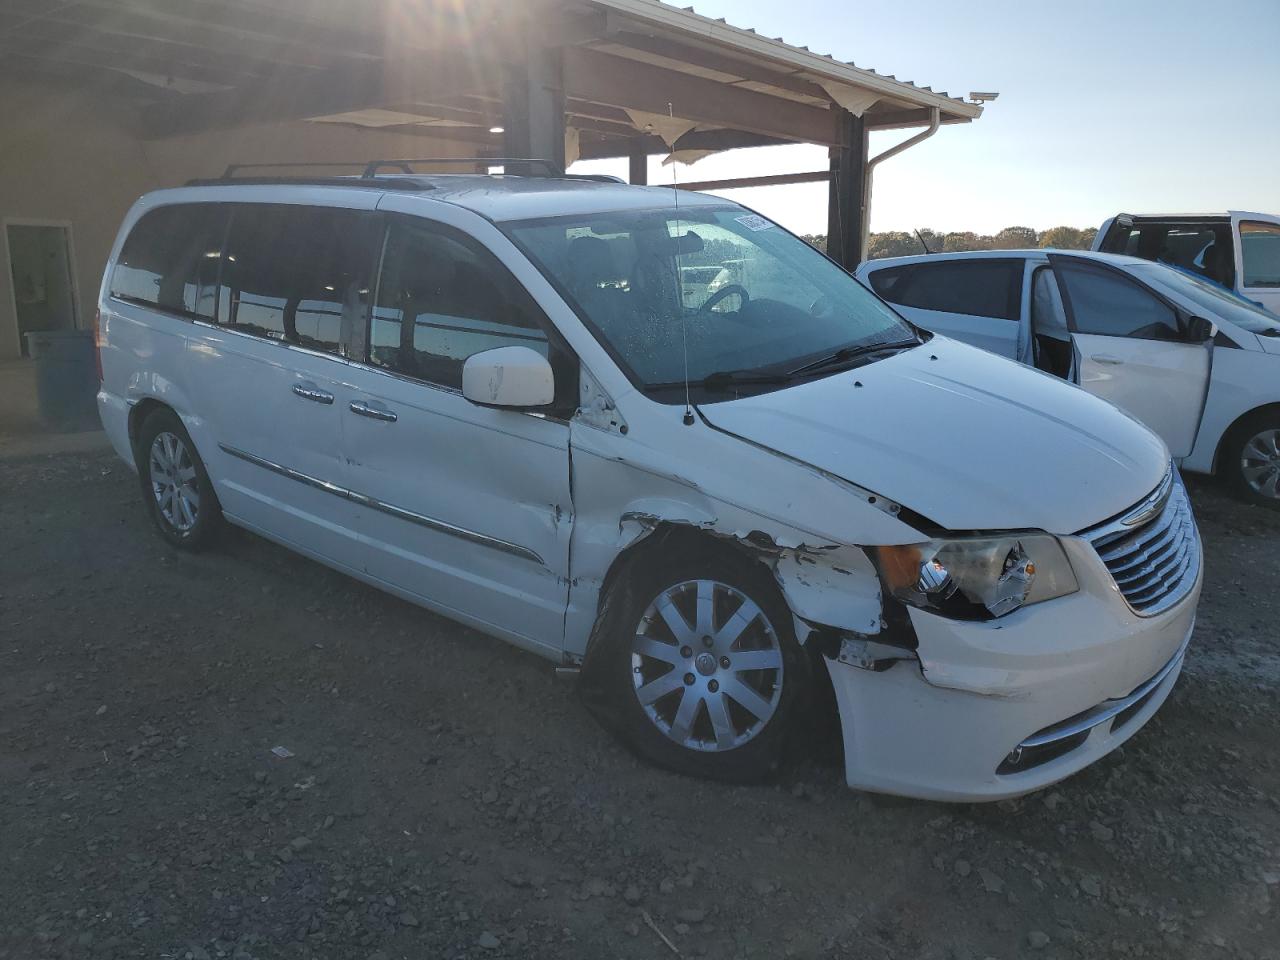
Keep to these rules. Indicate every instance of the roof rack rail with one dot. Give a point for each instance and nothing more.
(370, 169)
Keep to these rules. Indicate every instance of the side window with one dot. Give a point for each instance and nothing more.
(1101, 301)
(885, 282)
(297, 274)
(1260, 248)
(170, 259)
(442, 298)
(981, 288)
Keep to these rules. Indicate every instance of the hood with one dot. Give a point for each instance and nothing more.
(1270, 344)
(969, 440)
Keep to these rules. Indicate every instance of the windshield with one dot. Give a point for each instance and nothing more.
(1210, 297)
(749, 299)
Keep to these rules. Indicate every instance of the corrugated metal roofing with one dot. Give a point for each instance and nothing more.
(801, 58)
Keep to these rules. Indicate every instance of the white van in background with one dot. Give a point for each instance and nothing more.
(1191, 360)
(1240, 251)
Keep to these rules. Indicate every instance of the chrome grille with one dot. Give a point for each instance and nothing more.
(1153, 551)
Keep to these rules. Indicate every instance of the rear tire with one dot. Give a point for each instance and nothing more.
(1251, 460)
(662, 672)
(175, 485)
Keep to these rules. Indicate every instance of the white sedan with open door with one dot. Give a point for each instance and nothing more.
(1197, 364)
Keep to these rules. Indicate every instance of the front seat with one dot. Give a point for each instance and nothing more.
(1214, 263)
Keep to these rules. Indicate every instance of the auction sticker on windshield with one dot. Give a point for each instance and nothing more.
(754, 223)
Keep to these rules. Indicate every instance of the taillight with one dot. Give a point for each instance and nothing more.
(97, 342)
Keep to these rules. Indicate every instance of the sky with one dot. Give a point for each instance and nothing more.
(1105, 106)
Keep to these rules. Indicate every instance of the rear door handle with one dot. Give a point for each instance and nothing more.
(309, 391)
(1107, 359)
(362, 409)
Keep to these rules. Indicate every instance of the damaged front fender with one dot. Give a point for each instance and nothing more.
(623, 492)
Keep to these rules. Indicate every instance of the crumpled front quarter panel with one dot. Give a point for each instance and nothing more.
(806, 523)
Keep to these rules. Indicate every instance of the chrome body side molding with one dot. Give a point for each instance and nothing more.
(390, 509)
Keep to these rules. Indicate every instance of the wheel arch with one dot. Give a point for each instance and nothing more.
(1229, 434)
(826, 590)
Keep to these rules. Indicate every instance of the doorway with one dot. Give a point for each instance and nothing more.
(43, 279)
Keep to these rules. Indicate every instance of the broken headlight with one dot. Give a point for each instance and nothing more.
(979, 577)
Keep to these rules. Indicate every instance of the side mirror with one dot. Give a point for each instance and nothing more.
(511, 377)
(1199, 329)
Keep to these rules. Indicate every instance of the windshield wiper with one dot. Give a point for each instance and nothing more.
(849, 354)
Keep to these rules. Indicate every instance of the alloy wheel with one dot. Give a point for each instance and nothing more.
(173, 482)
(1260, 464)
(707, 666)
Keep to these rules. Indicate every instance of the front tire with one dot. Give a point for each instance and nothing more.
(1251, 461)
(695, 663)
(175, 484)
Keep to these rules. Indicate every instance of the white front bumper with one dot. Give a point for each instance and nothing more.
(939, 728)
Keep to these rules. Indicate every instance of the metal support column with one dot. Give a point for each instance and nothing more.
(846, 211)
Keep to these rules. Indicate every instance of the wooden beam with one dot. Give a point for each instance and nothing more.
(615, 148)
(619, 82)
(330, 92)
(774, 180)
(903, 119)
(61, 33)
(732, 66)
(491, 142)
(138, 60)
(597, 111)
(620, 131)
(227, 27)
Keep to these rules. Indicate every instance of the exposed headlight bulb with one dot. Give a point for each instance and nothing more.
(935, 580)
(1014, 583)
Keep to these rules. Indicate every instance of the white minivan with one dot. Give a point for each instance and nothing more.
(1197, 364)
(514, 400)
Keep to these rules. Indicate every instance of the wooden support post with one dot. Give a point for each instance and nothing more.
(639, 163)
(534, 100)
(846, 209)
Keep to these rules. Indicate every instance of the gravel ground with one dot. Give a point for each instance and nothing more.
(446, 796)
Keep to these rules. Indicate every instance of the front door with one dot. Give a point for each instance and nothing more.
(1132, 349)
(1258, 256)
(464, 508)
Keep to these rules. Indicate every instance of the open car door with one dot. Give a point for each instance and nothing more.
(1257, 251)
(1136, 349)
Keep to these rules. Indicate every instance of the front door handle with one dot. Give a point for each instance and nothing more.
(309, 391)
(1107, 359)
(362, 409)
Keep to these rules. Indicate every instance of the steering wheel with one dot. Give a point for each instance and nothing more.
(724, 293)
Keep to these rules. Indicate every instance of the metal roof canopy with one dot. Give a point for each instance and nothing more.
(432, 66)
(511, 78)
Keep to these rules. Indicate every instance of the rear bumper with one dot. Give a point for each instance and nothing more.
(1001, 709)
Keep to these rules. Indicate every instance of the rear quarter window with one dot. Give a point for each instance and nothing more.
(170, 260)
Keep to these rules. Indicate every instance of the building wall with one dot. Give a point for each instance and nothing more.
(70, 155)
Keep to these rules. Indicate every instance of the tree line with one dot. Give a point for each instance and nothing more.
(899, 243)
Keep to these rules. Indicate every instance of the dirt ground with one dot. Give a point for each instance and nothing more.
(448, 797)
